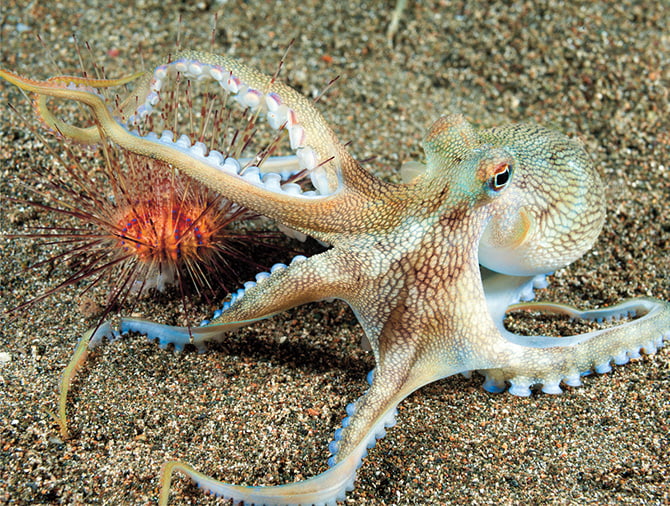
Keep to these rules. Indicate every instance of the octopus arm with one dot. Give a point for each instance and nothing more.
(339, 181)
(398, 374)
(284, 287)
(525, 361)
(326, 488)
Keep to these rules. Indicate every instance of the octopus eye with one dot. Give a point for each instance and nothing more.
(501, 178)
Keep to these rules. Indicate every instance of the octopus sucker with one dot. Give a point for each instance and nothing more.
(430, 267)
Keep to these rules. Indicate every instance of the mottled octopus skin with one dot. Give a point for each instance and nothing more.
(520, 200)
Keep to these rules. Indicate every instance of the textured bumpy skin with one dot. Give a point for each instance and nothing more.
(521, 200)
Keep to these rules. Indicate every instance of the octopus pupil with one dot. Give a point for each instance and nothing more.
(501, 179)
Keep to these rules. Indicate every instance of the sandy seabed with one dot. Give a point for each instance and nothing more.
(261, 408)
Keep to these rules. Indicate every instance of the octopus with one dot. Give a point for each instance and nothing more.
(429, 266)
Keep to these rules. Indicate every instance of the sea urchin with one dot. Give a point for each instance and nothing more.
(141, 226)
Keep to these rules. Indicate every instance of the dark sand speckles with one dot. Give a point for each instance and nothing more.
(262, 407)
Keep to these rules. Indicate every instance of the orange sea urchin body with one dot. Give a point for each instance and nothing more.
(166, 234)
(143, 226)
(171, 224)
